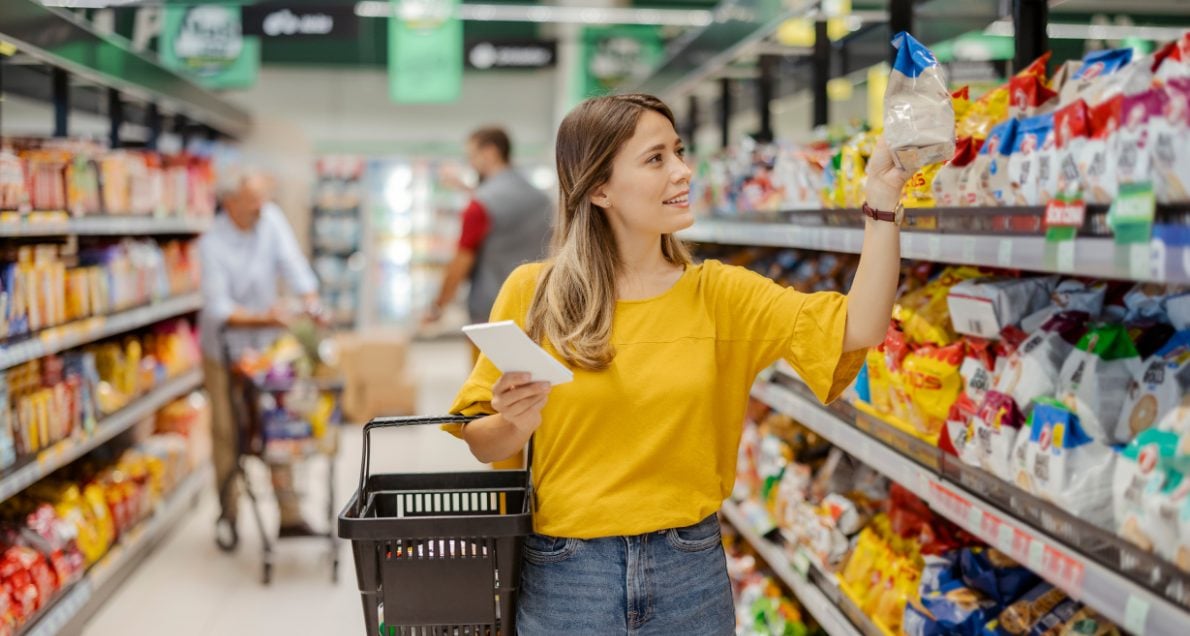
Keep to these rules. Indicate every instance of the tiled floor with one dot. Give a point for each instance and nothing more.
(188, 588)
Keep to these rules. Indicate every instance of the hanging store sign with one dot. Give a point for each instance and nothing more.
(207, 42)
(519, 54)
(282, 21)
(425, 52)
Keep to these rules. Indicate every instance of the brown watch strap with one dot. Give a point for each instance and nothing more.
(879, 215)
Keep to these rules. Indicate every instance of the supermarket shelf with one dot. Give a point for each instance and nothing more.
(70, 610)
(1097, 257)
(825, 610)
(68, 450)
(81, 332)
(105, 225)
(1129, 604)
(58, 38)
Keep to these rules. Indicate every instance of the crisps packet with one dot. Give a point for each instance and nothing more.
(984, 114)
(918, 113)
(946, 188)
(1032, 371)
(961, 100)
(1070, 294)
(984, 307)
(1028, 174)
(1134, 159)
(1064, 75)
(1137, 468)
(1096, 64)
(995, 574)
(1088, 622)
(919, 190)
(1170, 132)
(1030, 96)
(932, 374)
(1067, 466)
(1071, 131)
(991, 168)
(994, 434)
(1173, 61)
(1094, 381)
(1096, 164)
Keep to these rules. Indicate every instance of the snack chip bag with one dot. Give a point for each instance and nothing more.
(1095, 66)
(1170, 134)
(1156, 392)
(934, 383)
(990, 185)
(1097, 164)
(1071, 131)
(1173, 61)
(919, 190)
(1028, 175)
(1134, 159)
(1064, 75)
(1088, 622)
(995, 574)
(984, 114)
(1029, 96)
(1067, 466)
(878, 380)
(984, 307)
(1032, 371)
(946, 185)
(946, 602)
(1070, 295)
(851, 175)
(961, 99)
(994, 431)
(924, 314)
(1134, 78)
(918, 113)
(1094, 381)
(1139, 473)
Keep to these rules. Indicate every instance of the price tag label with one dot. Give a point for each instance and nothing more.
(1140, 260)
(934, 246)
(1063, 213)
(1004, 539)
(1004, 256)
(1065, 250)
(974, 518)
(1136, 615)
(1036, 556)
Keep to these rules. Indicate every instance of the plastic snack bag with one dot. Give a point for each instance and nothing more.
(1170, 133)
(1026, 171)
(995, 574)
(918, 113)
(990, 185)
(1094, 381)
(934, 384)
(1134, 159)
(1096, 164)
(1088, 622)
(1156, 392)
(1070, 295)
(1030, 96)
(1067, 466)
(984, 307)
(1071, 131)
(1138, 475)
(995, 428)
(946, 186)
(1095, 66)
(1032, 371)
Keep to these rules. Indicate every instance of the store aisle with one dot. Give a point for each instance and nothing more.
(188, 588)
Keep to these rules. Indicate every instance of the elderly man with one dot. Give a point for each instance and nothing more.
(248, 247)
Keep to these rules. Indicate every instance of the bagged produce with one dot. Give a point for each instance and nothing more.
(1067, 466)
(918, 113)
(1094, 381)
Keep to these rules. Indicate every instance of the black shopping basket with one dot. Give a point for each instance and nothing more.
(439, 554)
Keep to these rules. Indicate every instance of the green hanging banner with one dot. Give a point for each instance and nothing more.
(617, 54)
(425, 52)
(207, 43)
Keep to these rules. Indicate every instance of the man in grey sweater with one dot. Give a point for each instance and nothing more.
(507, 223)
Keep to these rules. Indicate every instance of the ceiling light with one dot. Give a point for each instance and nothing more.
(557, 14)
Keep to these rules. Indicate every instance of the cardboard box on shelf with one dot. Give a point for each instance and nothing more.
(363, 401)
(372, 365)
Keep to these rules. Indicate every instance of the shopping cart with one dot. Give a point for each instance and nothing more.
(273, 419)
(437, 554)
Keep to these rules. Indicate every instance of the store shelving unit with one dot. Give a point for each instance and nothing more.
(336, 236)
(1030, 537)
(815, 590)
(104, 225)
(34, 469)
(81, 600)
(80, 332)
(1097, 256)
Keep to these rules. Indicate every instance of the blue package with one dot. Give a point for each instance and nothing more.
(1105, 62)
(995, 574)
(1001, 138)
(948, 604)
(913, 58)
(862, 388)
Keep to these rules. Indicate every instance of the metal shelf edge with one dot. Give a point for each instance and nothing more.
(103, 575)
(105, 226)
(813, 599)
(113, 324)
(67, 451)
(1136, 609)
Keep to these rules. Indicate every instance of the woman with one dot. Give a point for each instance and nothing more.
(633, 459)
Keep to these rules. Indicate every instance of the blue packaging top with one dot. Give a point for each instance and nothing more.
(913, 58)
(1103, 62)
(1001, 138)
(1032, 131)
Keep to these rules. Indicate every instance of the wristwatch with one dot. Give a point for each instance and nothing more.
(897, 216)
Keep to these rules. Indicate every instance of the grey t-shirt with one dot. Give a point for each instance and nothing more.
(520, 217)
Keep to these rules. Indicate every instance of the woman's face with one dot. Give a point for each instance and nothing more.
(650, 184)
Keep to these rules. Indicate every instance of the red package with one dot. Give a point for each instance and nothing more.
(1028, 95)
(1097, 165)
(1038, 67)
(1071, 132)
(1071, 122)
(962, 93)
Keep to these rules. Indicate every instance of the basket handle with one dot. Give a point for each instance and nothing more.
(395, 422)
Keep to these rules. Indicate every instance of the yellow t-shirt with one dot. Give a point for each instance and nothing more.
(651, 442)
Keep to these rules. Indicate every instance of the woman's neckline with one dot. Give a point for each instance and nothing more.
(686, 269)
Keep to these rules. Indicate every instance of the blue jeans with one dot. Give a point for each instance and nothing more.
(662, 583)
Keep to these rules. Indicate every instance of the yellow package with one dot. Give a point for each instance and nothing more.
(851, 176)
(986, 112)
(890, 609)
(856, 576)
(933, 384)
(961, 101)
(925, 315)
(919, 190)
(878, 381)
(101, 516)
